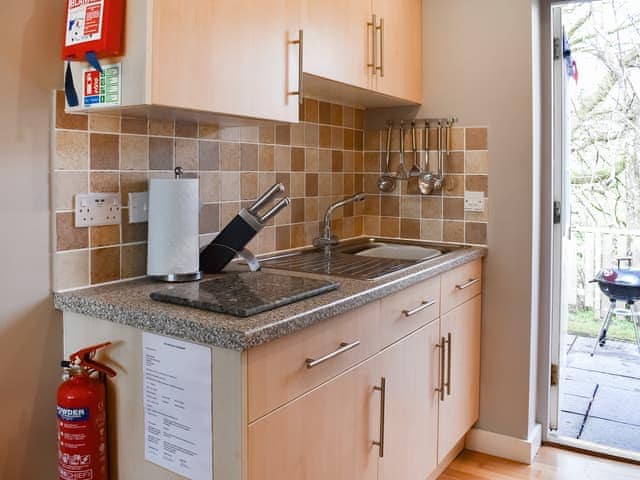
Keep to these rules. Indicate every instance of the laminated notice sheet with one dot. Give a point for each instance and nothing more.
(177, 406)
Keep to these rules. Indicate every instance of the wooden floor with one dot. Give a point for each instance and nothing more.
(550, 464)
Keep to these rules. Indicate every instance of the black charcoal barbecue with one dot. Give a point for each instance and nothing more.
(619, 285)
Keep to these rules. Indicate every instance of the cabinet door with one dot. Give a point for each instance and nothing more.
(226, 56)
(337, 40)
(325, 434)
(459, 410)
(399, 48)
(411, 406)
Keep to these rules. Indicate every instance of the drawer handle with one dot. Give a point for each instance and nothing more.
(467, 284)
(448, 382)
(424, 305)
(344, 347)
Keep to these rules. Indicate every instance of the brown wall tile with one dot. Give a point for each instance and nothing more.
(137, 125)
(209, 155)
(476, 233)
(390, 226)
(476, 138)
(336, 114)
(453, 208)
(134, 151)
(132, 232)
(249, 185)
(161, 127)
(68, 121)
(311, 184)
(105, 151)
(310, 110)
(105, 265)
(160, 153)
(324, 113)
(453, 231)
(283, 135)
(410, 228)
(68, 237)
(186, 129)
(297, 160)
(230, 156)
(209, 131)
(283, 237)
(390, 206)
(249, 157)
(134, 261)
(478, 183)
(104, 235)
(210, 218)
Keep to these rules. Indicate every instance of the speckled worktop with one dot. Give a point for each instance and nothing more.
(128, 303)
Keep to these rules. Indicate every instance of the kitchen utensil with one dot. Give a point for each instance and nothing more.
(233, 238)
(439, 177)
(426, 181)
(386, 183)
(402, 173)
(415, 169)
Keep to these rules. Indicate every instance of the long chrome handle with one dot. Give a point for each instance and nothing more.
(383, 399)
(448, 382)
(275, 210)
(440, 388)
(380, 68)
(374, 44)
(344, 347)
(300, 43)
(266, 197)
(424, 305)
(467, 284)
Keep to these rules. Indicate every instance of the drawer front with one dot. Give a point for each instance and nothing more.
(282, 370)
(461, 284)
(410, 309)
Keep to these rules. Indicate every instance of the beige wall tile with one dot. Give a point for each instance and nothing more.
(72, 150)
(187, 154)
(457, 138)
(283, 159)
(249, 185)
(390, 226)
(229, 186)
(230, 156)
(453, 231)
(103, 182)
(297, 135)
(371, 225)
(208, 130)
(478, 162)
(71, 270)
(267, 133)
(132, 182)
(410, 207)
(266, 158)
(137, 125)
(104, 123)
(134, 152)
(228, 210)
(431, 230)
(476, 233)
(210, 218)
(161, 153)
(208, 155)
(297, 184)
(209, 187)
(67, 186)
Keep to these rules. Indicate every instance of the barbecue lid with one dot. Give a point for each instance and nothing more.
(629, 277)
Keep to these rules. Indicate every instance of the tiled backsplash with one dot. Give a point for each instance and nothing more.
(405, 213)
(321, 160)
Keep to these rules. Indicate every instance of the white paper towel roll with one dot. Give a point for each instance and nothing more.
(173, 227)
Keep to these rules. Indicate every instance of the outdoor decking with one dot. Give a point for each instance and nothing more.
(600, 395)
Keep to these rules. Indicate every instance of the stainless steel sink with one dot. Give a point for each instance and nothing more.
(368, 259)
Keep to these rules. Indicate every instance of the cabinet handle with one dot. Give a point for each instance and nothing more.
(467, 284)
(344, 347)
(374, 44)
(424, 305)
(448, 382)
(383, 398)
(300, 43)
(380, 67)
(440, 388)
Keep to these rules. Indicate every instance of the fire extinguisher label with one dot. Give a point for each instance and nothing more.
(73, 414)
(84, 21)
(102, 89)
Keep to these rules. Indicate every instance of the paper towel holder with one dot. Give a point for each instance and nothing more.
(179, 277)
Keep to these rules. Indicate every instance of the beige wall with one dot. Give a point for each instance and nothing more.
(478, 67)
(30, 330)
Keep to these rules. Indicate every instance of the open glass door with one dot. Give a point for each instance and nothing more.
(562, 213)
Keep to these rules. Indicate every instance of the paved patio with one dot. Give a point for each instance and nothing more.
(600, 395)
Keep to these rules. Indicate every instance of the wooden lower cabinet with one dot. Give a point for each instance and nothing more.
(460, 408)
(410, 368)
(325, 434)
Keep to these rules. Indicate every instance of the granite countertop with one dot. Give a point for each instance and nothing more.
(128, 303)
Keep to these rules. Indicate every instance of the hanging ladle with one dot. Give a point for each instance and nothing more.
(426, 180)
(386, 183)
(415, 169)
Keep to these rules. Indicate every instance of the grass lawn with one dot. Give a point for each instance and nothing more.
(586, 324)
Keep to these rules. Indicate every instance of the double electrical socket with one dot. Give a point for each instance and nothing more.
(96, 209)
(474, 202)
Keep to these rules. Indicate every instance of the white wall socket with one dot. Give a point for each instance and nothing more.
(474, 202)
(138, 207)
(96, 209)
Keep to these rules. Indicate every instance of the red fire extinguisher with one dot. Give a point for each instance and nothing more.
(82, 418)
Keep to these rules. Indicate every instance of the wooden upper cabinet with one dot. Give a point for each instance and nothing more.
(337, 40)
(226, 56)
(399, 49)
